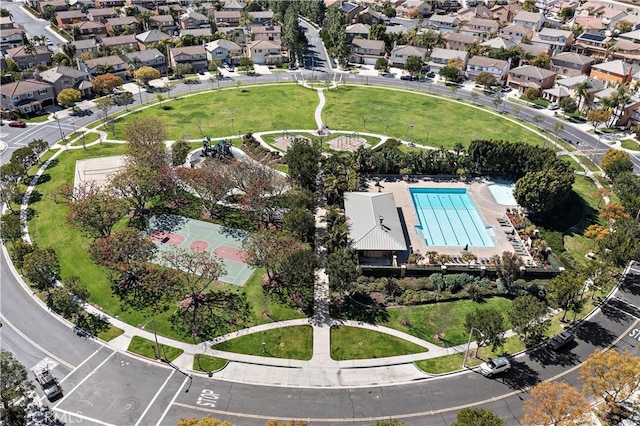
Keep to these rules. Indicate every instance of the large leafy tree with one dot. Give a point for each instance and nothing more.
(477, 417)
(615, 162)
(413, 65)
(68, 97)
(527, 317)
(342, 270)
(121, 248)
(42, 267)
(623, 244)
(508, 268)
(138, 184)
(611, 375)
(15, 389)
(210, 182)
(564, 290)
(486, 79)
(301, 223)
(97, 211)
(146, 141)
(490, 323)
(269, 249)
(303, 159)
(106, 83)
(145, 74)
(542, 191)
(297, 278)
(10, 227)
(556, 403)
(627, 187)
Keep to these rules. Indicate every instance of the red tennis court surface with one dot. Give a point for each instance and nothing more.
(231, 253)
(168, 238)
(199, 245)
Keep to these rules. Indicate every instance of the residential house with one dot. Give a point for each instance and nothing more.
(113, 64)
(56, 5)
(350, 11)
(230, 5)
(532, 50)
(6, 22)
(595, 45)
(101, 15)
(401, 53)
(528, 76)
(498, 43)
(624, 113)
(108, 3)
(25, 59)
(66, 18)
(193, 19)
(505, 13)
(125, 43)
(443, 23)
(89, 46)
(375, 228)
(496, 67)
(371, 16)
(196, 32)
(612, 72)
(27, 96)
(459, 41)
(626, 50)
(412, 9)
(441, 57)
(570, 64)
(227, 18)
(164, 23)
(531, 20)
(571, 83)
(225, 51)
(147, 58)
(261, 17)
(89, 29)
(366, 51)
(589, 8)
(10, 38)
(555, 94)
(590, 24)
(265, 52)
(117, 26)
(611, 16)
(633, 36)
(553, 39)
(270, 33)
(62, 77)
(482, 28)
(150, 37)
(356, 30)
(516, 33)
(194, 55)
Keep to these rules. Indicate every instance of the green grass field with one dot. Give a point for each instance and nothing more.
(227, 112)
(208, 363)
(449, 316)
(147, 348)
(630, 144)
(289, 342)
(360, 343)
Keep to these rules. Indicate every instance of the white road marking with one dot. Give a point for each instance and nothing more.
(155, 397)
(172, 401)
(80, 416)
(80, 365)
(45, 364)
(91, 373)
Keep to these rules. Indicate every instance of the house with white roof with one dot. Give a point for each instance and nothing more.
(496, 67)
(225, 51)
(441, 57)
(553, 39)
(532, 20)
(401, 53)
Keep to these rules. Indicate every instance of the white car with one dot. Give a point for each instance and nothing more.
(495, 366)
(553, 106)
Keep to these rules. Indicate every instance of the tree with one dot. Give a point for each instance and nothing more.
(531, 93)
(16, 391)
(541, 61)
(210, 182)
(121, 248)
(541, 192)
(104, 105)
(97, 211)
(180, 151)
(136, 183)
(477, 417)
(555, 404)
(41, 267)
(106, 83)
(486, 79)
(181, 70)
(615, 161)
(526, 316)
(124, 98)
(297, 278)
(566, 13)
(303, 159)
(301, 223)
(10, 227)
(449, 73)
(146, 141)
(611, 375)
(413, 65)
(490, 323)
(68, 97)
(568, 105)
(565, 289)
(613, 212)
(623, 26)
(598, 116)
(205, 421)
(269, 248)
(623, 244)
(508, 268)
(382, 64)
(145, 74)
(342, 270)
(627, 187)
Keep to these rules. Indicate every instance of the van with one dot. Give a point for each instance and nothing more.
(48, 384)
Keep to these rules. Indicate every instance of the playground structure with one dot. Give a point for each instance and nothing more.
(348, 142)
(222, 149)
(284, 142)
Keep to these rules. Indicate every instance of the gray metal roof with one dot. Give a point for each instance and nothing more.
(373, 221)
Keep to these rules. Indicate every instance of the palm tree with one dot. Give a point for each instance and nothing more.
(582, 91)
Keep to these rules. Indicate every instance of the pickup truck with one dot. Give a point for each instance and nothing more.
(48, 383)
(560, 340)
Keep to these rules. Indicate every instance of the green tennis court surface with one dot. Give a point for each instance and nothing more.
(169, 231)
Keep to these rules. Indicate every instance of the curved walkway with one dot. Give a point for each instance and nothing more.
(321, 370)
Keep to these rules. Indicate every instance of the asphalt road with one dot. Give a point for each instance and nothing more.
(33, 27)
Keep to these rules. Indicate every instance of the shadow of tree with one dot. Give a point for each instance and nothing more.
(167, 222)
(619, 311)
(520, 376)
(44, 178)
(594, 334)
(35, 196)
(363, 309)
(545, 356)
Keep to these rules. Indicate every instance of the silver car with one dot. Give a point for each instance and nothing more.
(495, 366)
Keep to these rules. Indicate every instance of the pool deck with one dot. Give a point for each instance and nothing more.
(486, 205)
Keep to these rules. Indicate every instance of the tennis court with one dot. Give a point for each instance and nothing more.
(169, 231)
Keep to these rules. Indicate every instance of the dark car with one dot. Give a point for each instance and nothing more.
(406, 77)
(431, 74)
(49, 384)
(560, 340)
(17, 123)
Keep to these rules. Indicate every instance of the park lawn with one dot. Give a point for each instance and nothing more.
(90, 137)
(208, 363)
(630, 144)
(294, 342)
(260, 302)
(424, 319)
(574, 163)
(110, 333)
(416, 117)
(232, 111)
(360, 343)
(147, 348)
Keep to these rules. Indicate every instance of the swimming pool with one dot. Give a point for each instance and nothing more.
(503, 193)
(448, 217)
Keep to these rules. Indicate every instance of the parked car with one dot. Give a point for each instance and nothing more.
(560, 340)
(405, 77)
(431, 74)
(553, 106)
(17, 123)
(495, 366)
(48, 384)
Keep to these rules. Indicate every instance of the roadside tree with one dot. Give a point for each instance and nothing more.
(477, 417)
(145, 74)
(486, 79)
(565, 289)
(490, 323)
(615, 162)
(555, 404)
(68, 97)
(16, 391)
(413, 65)
(597, 117)
(106, 83)
(527, 318)
(627, 187)
(10, 227)
(42, 268)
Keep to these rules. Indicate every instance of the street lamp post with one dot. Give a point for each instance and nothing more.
(59, 127)
(264, 347)
(466, 353)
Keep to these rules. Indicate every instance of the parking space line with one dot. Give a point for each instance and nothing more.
(81, 364)
(155, 397)
(91, 373)
(173, 400)
(80, 416)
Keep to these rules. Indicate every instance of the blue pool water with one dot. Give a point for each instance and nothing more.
(448, 217)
